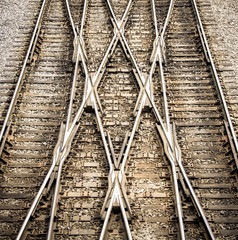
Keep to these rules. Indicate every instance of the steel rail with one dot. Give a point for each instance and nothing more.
(22, 74)
(172, 162)
(39, 195)
(167, 120)
(104, 228)
(103, 136)
(83, 18)
(172, 159)
(137, 118)
(144, 88)
(123, 164)
(155, 19)
(148, 95)
(177, 200)
(71, 18)
(96, 79)
(141, 79)
(141, 104)
(177, 196)
(157, 114)
(2, 144)
(116, 195)
(112, 181)
(73, 88)
(175, 159)
(80, 53)
(135, 126)
(200, 210)
(81, 108)
(194, 197)
(62, 149)
(220, 91)
(171, 5)
(66, 140)
(120, 176)
(94, 100)
(112, 175)
(111, 169)
(125, 219)
(174, 173)
(56, 156)
(159, 51)
(109, 160)
(166, 109)
(81, 29)
(121, 173)
(114, 188)
(76, 39)
(55, 200)
(101, 130)
(61, 160)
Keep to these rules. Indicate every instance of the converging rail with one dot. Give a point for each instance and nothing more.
(117, 197)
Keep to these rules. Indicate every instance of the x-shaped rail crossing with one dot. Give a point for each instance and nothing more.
(116, 194)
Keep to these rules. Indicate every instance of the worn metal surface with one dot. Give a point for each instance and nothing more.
(127, 95)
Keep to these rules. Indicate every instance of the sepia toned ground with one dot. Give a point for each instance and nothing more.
(11, 18)
(226, 15)
(12, 12)
(192, 99)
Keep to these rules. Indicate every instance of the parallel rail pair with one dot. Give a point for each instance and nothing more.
(116, 185)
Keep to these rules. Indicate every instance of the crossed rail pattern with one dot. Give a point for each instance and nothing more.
(116, 194)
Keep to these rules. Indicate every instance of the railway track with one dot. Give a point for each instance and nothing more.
(119, 128)
(40, 107)
(200, 128)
